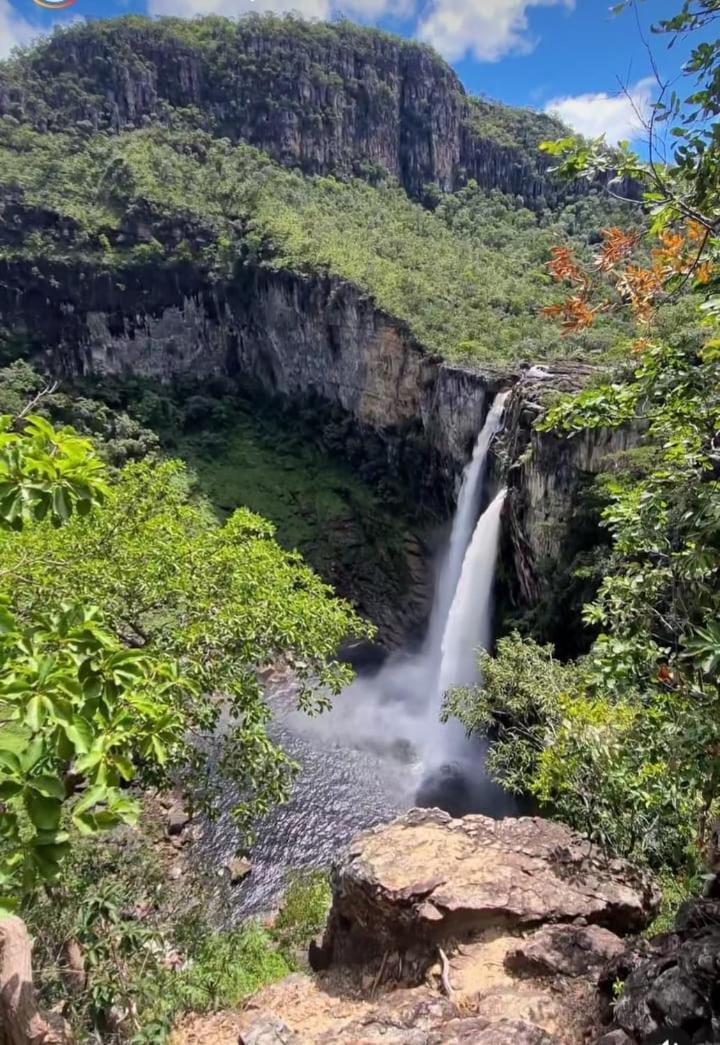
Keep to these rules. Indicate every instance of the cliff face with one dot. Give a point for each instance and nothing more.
(317, 345)
(376, 394)
(327, 99)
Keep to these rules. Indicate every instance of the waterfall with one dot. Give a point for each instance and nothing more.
(463, 525)
(398, 708)
(469, 621)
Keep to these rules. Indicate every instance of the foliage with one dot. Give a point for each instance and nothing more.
(71, 696)
(681, 174)
(632, 752)
(469, 279)
(74, 699)
(77, 706)
(522, 129)
(148, 950)
(45, 473)
(224, 600)
(675, 889)
(304, 910)
(518, 704)
(117, 437)
(675, 262)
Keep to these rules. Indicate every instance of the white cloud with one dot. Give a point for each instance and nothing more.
(486, 29)
(14, 29)
(323, 9)
(618, 116)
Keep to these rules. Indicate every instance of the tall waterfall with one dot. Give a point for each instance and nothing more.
(469, 621)
(398, 708)
(463, 525)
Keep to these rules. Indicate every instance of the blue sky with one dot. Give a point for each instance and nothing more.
(568, 56)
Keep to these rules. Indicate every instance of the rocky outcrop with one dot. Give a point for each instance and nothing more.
(450, 931)
(325, 98)
(322, 349)
(427, 879)
(671, 982)
(552, 517)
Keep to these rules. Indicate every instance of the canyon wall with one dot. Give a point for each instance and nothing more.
(371, 391)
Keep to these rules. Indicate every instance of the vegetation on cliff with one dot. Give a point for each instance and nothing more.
(129, 144)
(469, 280)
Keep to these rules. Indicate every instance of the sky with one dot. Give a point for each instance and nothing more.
(570, 57)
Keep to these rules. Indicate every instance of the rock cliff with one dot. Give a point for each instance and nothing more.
(334, 99)
(318, 345)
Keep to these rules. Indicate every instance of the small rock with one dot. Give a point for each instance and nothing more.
(269, 1030)
(177, 819)
(175, 873)
(239, 869)
(615, 1037)
(565, 950)
(74, 974)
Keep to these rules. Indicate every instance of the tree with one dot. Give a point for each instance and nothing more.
(130, 621)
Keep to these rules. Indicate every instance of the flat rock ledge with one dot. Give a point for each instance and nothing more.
(428, 879)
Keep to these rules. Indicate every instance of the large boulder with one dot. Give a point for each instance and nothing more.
(427, 879)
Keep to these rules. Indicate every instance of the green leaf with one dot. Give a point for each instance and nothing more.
(49, 786)
(45, 813)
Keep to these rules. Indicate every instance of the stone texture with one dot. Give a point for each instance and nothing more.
(433, 1021)
(269, 1030)
(427, 878)
(565, 950)
(674, 986)
(401, 1018)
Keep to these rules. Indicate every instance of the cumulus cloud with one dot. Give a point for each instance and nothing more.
(14, 29)
(323, 9)
(618, 116)
(486, 29)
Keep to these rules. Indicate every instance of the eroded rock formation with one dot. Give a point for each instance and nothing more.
(327, 99)
(428, 878)
(450, 931)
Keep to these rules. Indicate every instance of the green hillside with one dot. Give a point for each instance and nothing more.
(469, 278)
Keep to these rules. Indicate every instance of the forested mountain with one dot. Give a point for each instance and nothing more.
(125, 144)
(328, 99)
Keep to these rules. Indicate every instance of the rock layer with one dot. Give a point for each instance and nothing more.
(427, 879)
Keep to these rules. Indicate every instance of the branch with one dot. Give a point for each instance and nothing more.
(47, 391)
